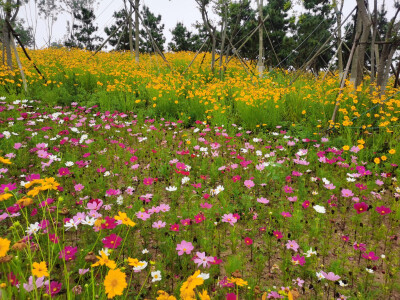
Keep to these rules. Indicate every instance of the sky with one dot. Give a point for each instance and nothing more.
(171, 11)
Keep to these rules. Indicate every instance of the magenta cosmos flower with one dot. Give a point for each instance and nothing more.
(382, 210)
(298, 260)
(370, 256)
(184, 247)
(360, 207)
(292, 245)
(112, 241)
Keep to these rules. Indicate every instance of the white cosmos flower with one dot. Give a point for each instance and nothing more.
(369, 270)
(171, 188)
(156, 276)
(69, 164)
(141, 265)
(204, 276)
(319, 209)
(33, 228)
(185, 179)
(320, 276)
(88, 221)
(144, 251)
(310, 252)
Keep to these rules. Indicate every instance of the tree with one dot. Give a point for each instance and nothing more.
(155, 27)
(24, 34)
(313, 27)
(182, 39)
(49, 9)
(84, 30)
(120, 40)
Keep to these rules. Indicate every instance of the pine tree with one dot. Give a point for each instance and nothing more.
(84, 31)
(154, 25)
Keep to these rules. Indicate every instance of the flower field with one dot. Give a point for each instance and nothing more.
(155, 186)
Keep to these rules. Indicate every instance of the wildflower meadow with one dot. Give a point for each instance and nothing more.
(128, 181)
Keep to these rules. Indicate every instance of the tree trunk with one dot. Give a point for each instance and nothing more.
(374, 32)
(19, 64)
(363, 26)
(137, 31)
(214, 45)
(7, 35)
(339, 37)
(129, 20)
(223, 30)
(260, 63)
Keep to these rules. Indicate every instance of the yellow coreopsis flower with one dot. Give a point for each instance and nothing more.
(39, 269)
(4, 246)
(204, 295)
(103, 260)
(164, 296)
(115, 283)
(190, 284)
(5, 160)
(237, 281)
(5, 196)
(124, 218)
(377, 160)
(392, 151)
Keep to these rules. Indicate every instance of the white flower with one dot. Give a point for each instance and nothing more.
(145, 251)
(320, 276)
(314, 193)
(171, 188)
(204, 276)
(310, 252)
(140, 266)
(319, 209)
(7, 134)
(120, 200)
(156, 276)
(69, 164)
(33, 228)
(259, 153)
(326, 181)
(256, 140)
(314, 179)
(369, 270)
(185, 179)
(105, 251)
(71, 223)
(88, 221)
(341, 283)
(383, 256)
(106, 173)
(196, 130)
(350, 179)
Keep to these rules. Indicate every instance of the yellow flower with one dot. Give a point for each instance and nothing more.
(4, 246)
(360, 146)
(383, 157)
(189, 285)
(39, 269)
(377, 160)
(392, 151)
(124, 218)
(115, 283)
(5, 160)
(103, 260)
(237, 281)
(346, 148)
(5, 196)
(164, 296)
(204, 295)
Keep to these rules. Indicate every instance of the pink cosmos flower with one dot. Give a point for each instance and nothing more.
(263, 200)
(54, 288)
(142, 215)
(278, 234)
(202, 259)
(184, 247)
(205, 205)
(330, 276)
(186, 222)
(249, 184)
(292, 245)
(78, 187)
(306, 204)
(174, 227)
(347, 193)
(159, 224)
(286, 214)
(83, 271)
(229, 218)
(359, 246)
(94, 204)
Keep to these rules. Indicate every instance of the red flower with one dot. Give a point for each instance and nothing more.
(248, 241)
(112, 241)
(278, 234)
(382, 210)
(361, 207)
